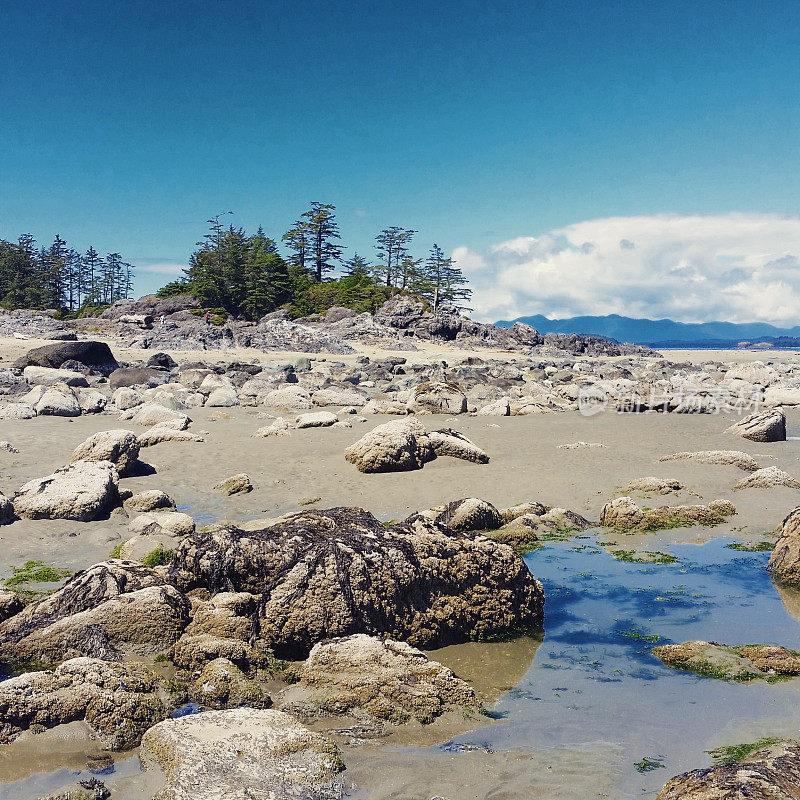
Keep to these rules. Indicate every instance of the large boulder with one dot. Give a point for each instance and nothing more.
(242, 753)
(470, 514)
(58, 400)
(44, 376)
(784, 563)
(772, 772)
(331, 573)
(382, 678)
(81, 491)
(763, 426)
(118, 701)
(395, 446)
(96, 355)
(125, 377)
(438, 397)
(120, 447)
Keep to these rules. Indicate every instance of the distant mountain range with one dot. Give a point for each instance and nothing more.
(666, 332)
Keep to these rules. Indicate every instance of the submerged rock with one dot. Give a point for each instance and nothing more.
(622, 513)
(742, 663)
(119, 701)
(257, 754)
(341, 571)
(769, 774)
(385, 679)
(763, 426)
(81, 491)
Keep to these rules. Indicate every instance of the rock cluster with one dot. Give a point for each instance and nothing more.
(624, 514)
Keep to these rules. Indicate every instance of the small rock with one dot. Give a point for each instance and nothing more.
(236, 484)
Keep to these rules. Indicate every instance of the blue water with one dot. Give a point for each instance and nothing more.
(593, 679)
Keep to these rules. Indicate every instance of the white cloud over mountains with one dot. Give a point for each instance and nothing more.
(735, 267)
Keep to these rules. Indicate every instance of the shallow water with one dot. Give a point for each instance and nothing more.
(593, 679)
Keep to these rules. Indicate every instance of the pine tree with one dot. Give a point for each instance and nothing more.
(297, 240)
(357, 266)
(93, 266)
(322, 233)
(392, 247)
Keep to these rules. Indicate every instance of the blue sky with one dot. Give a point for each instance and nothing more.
(127, 125)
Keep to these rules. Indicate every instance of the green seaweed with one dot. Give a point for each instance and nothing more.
(647, 764)
(734, 753)
(36, 572)
(752, 547)
(644, 557)
(158, 557)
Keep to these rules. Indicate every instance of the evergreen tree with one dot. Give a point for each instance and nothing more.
(93, 267)
(357, 266)
(322, 234)
(298, 241)
(392, 247)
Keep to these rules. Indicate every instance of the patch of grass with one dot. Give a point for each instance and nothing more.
(158, 557)
(751, 547)
(648, 764)
(36, 572)
(734, 753)
(644, 557)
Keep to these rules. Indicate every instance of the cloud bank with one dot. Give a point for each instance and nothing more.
(734, 267)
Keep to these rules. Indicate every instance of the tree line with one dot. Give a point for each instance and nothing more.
(59, 277)
(248, 276)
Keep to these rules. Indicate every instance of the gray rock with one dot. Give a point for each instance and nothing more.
(763, 426)
(395, 446)
(120, 447)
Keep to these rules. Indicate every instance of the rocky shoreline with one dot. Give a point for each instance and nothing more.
(290, 633)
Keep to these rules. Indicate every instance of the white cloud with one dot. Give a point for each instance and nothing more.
(736, 267)
(161, 266)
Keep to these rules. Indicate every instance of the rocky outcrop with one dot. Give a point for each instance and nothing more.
(383, 679)
(96, 355)
(341, 571)
(725, 458)
(743, 663)
(623, 514)
(85, 591)
(258, 754)
(10, 604)
(784, 563)
(118, 701)
(81, 491)
(768, 478)
(772, 773)
(120, 447)
(763, 426)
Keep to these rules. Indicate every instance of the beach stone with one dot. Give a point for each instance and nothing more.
(623, 513)
(194, 651)
(120, 447)
(222, 397)
(172, 521)
(497, 408)
(44, 376)
(470, 514)
(118, 701)
(258, 754)
(781, 396)
(768, 478)
(294, 397)
(385, 679)
(81, 491)
(386, 407)
(338, 397)
(725, 458)
(96, 355)
(91, 401)
(193, 377)
(58, 400)
(448, 442)
(126, 377)
(754, 372)
(17, 411)
(652, 485)
(280, 427)
(394, 446)
(126, 398)
(773, 773)
(763, 426)
(151, 414)
(316, 419)
(236, 484)
(164, 432)
(784, 563)
(148, 500)
(438, 397)
(10, 604)
(222, 684)
(427, 585)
